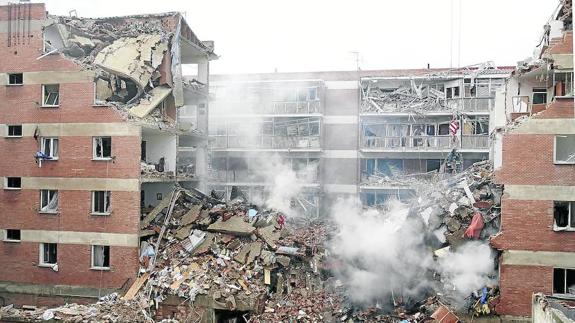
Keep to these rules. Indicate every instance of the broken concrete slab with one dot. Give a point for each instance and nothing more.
(249, 253)
(235, 225)
(191, 216)
(146, 105)
(269, 235)
(154, 213)
(135, 58)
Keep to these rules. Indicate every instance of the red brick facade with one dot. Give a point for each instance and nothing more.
(527, 225)
(20, 105)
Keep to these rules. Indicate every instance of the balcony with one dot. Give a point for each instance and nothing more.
(266, 142)
(407, 143)
(290, 107)
(471, 104)
(424, 143)
(254, 177)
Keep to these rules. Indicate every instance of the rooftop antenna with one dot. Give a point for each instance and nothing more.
(356, 59)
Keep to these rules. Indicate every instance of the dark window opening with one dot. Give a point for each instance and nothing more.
(51, 95)
(14, 182)
(143, 148)
(223, 316)
(563, 214)
(102, 147)
(49, 253)
(443, 129)
(563, 281)
(15, 79)
(101, 256)
(539, 96)
(15, 131)
(13, 235)
(433, 165)
(101, 202)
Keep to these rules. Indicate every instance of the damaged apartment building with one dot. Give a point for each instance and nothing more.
(534, 158)
(258, 129)
(98, 127)
(379, 131)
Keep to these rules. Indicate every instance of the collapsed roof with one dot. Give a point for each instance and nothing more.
(135, 60)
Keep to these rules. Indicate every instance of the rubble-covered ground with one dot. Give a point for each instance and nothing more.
(238, 257)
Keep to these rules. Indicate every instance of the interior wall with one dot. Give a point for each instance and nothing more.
(152, 189)
(158, 146)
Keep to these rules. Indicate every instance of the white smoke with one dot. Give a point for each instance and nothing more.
(383, 253)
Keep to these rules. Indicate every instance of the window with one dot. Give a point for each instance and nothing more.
(100, 257)
(15, 131)
(101, 202)
(433, 165)
(102, 147)
(48, 254)
(539, 96)
(50, 95)
(564, 216)
(48, 201)
(312, 93)
(50, 147)
(13, 182)
(452, 92)
(15, 79)
(565, 149)
(564, 281)
(12, 235)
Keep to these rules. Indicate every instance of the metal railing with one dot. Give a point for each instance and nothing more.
(474, 141)
(250, 176)
(266, 142)
(408, 142)
(425, 142)
(471, 104)
(278, 107)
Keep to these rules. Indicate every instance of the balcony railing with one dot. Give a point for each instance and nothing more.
(247, 176)
(407, 142)
(471, 104)
(277, 107)
(266, 142)
(425, 142)
(474, 141)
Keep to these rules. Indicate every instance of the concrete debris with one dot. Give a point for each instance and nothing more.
(210, 255)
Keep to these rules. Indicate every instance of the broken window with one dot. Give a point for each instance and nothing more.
(100, 257)
(565, 149)
(476, 126)
(48, 201)
(102, 92)
(452, 92)
(15, 131)
(101, 202)
(563, 215)
(563, 83)
(15, 79)
(539, 96)
(13, 182)
(433, 165)
(468, 88)
(50, 95)
(564, 281)
(48, 253)
(12, 235)
(102, 148)
(50, 147)
(382, 167)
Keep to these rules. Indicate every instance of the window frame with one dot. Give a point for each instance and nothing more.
(94, 150)
(7, 239)
(570, 217)
(92, 256)
(41, 261)
(48, 193)
(44, 104)
(51, 140)
(566, 288)
(8, 135)
(9, 75)
(539, 91)
(7, 181)
(107, 200)
(560, 162)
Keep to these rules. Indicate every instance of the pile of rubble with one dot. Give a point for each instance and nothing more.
(238, 258)
(416, 99)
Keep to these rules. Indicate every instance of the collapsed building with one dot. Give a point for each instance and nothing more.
(98, 126)
(209, 261)
(534, 157)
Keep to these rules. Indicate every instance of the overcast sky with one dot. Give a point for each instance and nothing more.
(313, 35)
